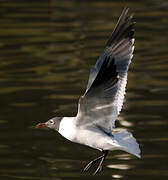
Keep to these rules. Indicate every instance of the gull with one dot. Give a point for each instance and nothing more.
(99, 107)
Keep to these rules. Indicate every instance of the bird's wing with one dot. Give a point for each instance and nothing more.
(103, 99)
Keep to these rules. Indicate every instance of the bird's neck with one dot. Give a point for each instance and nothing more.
(66, 127)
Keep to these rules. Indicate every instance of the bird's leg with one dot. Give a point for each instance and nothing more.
(92, 163)
(102, 157)
(101, 162)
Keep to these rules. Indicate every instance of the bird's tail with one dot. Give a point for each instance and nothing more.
(127, 142)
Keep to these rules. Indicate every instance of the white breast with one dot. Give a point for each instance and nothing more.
(66, 128)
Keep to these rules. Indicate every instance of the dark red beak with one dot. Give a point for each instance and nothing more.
(40, 125)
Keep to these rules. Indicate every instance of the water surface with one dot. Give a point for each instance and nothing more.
(46, 51)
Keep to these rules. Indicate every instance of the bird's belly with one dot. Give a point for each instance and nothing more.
(89, 136)
(94, 138)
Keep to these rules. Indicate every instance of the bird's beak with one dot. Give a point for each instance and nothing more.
(40, 125)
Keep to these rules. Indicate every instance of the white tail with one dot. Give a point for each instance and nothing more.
(127, 142)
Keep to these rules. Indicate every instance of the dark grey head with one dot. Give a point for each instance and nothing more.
(53, 123)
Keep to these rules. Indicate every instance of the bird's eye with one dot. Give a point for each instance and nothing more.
(51, 121)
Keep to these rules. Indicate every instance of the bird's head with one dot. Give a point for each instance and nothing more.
(52, 123)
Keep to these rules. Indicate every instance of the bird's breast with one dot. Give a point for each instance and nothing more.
(67, 128)
(89, 136)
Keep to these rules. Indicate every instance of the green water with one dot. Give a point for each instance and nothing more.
(46, 51)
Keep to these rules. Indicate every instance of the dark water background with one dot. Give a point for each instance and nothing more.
(46, 50)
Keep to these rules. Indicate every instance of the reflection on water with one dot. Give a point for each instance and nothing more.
(46, 51)
(117, 176)
(120, 166)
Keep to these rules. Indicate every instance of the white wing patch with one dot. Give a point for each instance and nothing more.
(121, 92)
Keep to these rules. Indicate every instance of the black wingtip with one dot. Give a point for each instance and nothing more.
(122, 28)
(107, 73)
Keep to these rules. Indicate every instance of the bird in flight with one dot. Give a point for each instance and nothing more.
(99, 107)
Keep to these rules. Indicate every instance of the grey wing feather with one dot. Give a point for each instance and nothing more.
(116, 43)
(103, 99)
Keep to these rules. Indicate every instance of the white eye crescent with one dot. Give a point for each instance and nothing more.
(51, 121)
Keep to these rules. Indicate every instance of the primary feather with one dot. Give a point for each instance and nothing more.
(104, 96)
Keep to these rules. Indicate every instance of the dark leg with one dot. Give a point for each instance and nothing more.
(102, 157)
(92, 163)
(101, 162)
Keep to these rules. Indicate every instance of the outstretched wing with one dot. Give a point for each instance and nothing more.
(103, 99)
